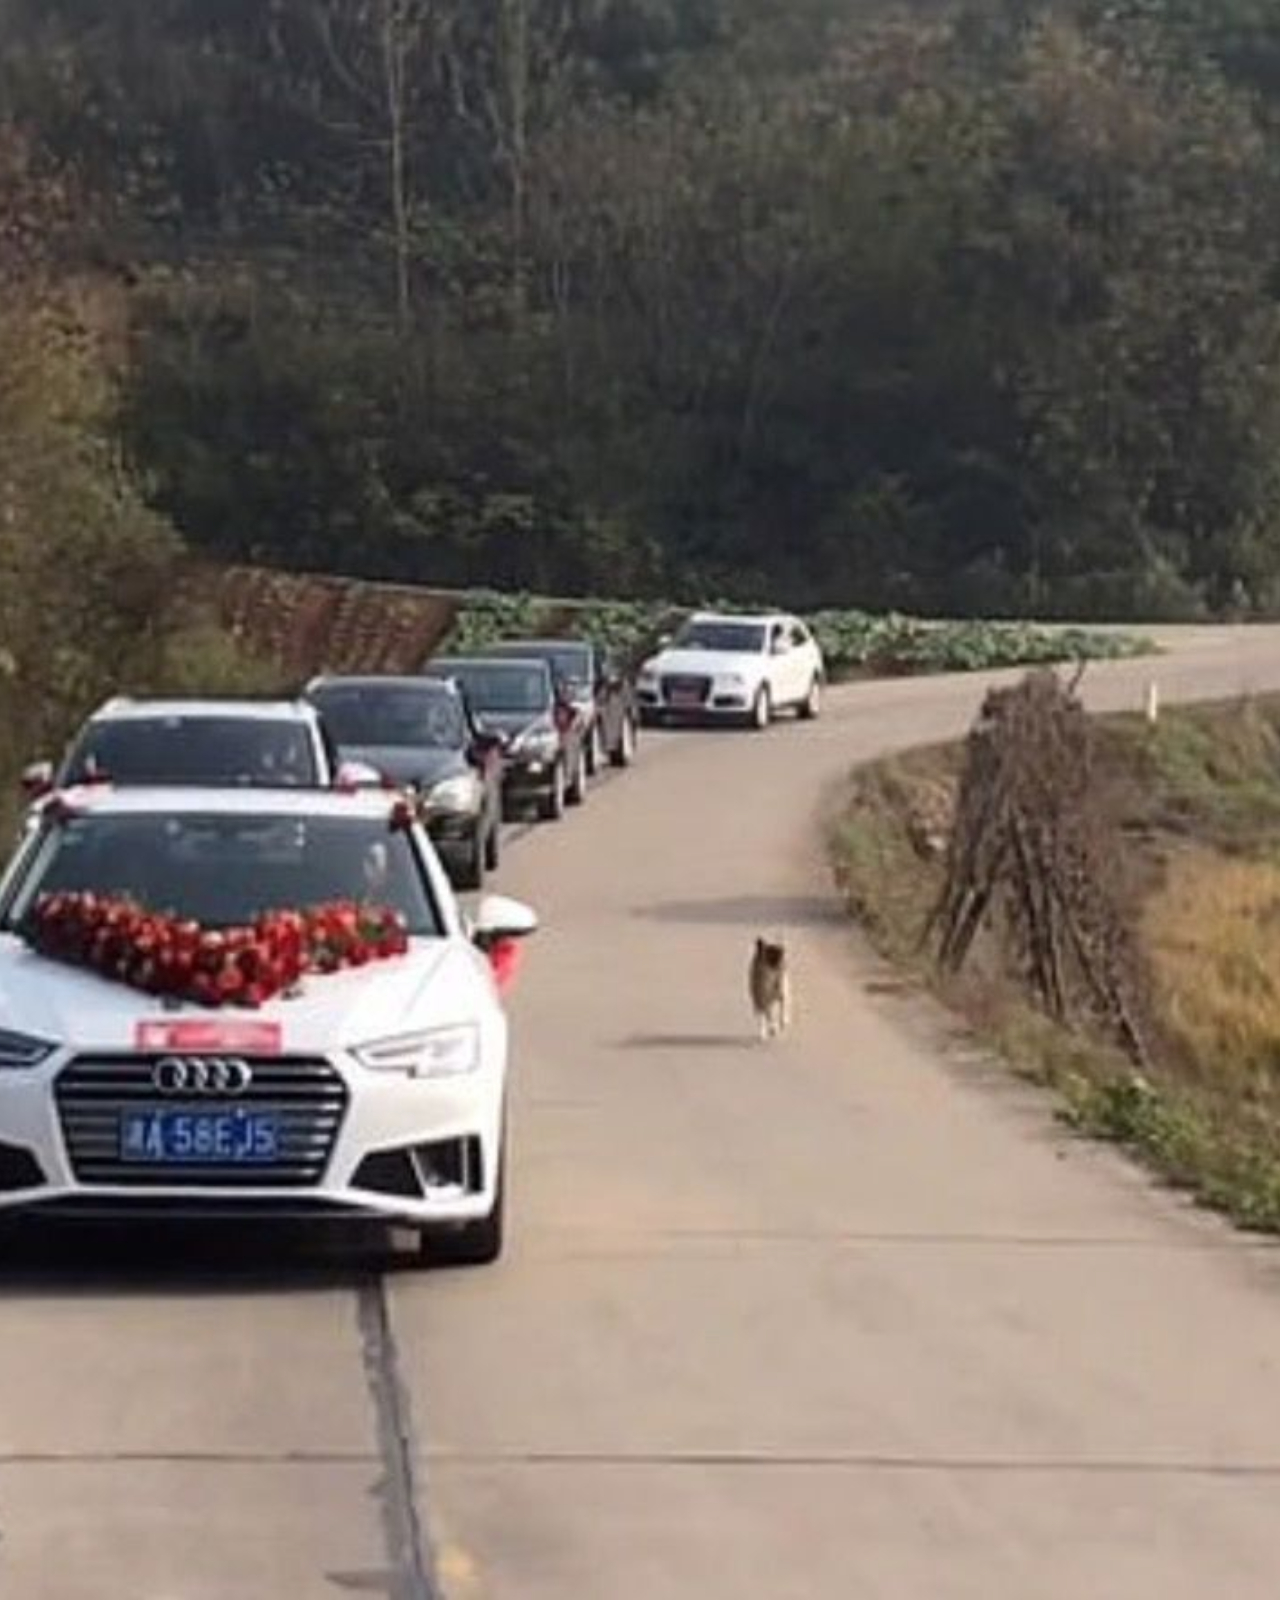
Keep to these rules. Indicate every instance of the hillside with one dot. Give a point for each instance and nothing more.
(956, 308)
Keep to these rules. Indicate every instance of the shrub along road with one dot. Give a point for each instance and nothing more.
(837, 1317)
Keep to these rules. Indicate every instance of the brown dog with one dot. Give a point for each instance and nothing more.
(769, 985)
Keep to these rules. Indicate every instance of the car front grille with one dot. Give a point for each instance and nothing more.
(678, 688)
(306, 1094)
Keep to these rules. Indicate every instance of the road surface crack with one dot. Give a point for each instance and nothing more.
(412, 1568)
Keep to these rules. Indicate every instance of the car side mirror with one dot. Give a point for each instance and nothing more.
(37, 780)
(499, 920)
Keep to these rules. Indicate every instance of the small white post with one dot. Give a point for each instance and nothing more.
(1152, 702)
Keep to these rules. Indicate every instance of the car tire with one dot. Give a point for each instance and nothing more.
(811, 706)
(470, 1244)
(625, 752)
(762, 709)
(551, 804)
(576, 792)
(492, 847)
(469, 873)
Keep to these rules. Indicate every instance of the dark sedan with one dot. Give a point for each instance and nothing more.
(545, 753)
(420, 735)
(603, 694)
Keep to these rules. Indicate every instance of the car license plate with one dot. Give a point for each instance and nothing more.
(686, 697)
(168, 1136)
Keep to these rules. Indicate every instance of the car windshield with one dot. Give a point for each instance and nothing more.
(404, 716)
(224, 870)
(498, 687)
(736, 638)
(569, 662)
(265, 752)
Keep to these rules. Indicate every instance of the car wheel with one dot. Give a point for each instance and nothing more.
(492, 847)
(576, 793)
(625, 753)
(811, 705)
(470, 871)
(762, 708)
(469, 1244)
(551, 804)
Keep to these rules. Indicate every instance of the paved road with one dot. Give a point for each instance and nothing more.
(841, 1318)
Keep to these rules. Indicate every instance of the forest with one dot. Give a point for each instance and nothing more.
(969, 307)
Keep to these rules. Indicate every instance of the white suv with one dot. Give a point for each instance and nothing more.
(275, 744)
(733, 668)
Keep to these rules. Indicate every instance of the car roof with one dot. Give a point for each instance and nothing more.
(124, 709)
(509, 647)
(101, 799)
(753, 618)
(450, 663)
(381, 680)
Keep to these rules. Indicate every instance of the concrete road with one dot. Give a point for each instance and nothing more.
(842, 1317)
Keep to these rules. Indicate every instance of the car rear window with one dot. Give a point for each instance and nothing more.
(209, 750)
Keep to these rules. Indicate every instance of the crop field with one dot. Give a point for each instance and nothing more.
(304, 624)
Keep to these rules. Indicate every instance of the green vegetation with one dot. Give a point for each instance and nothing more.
(86, 568)
(851, 641)
(954, 307)
(891, 644)
(1199, 797)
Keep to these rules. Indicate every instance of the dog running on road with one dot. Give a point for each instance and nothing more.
(769, 984)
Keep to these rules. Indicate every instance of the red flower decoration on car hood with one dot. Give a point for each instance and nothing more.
(244, 966)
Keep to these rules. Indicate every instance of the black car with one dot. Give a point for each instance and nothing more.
(545, 736)
(420, 735)
(602, 693)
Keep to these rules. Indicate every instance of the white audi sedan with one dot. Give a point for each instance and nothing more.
(372, 1091)
(722, 668)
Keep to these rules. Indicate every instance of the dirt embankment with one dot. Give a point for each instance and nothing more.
(301, 624)
(1190, 812)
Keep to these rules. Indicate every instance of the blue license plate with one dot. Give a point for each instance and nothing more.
(167, 1136)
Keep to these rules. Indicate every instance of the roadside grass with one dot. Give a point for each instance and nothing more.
(1199, 797)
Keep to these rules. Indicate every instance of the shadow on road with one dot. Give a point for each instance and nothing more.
(123, 1259)
(684, 1041)
(763, 912)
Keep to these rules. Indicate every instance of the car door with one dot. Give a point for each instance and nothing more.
(778, 661)
(611, 697)
(805, 659)
(485, 751)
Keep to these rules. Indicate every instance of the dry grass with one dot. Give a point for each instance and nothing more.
(1199, 799)
(1213, 936)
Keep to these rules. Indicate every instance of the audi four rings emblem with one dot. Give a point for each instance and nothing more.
(202, 1075)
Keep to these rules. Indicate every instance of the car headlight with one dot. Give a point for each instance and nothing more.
(454, 794)
(647, 675)
(541, 743)
(19, 1051)
(732, 680)
(437, 1053)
